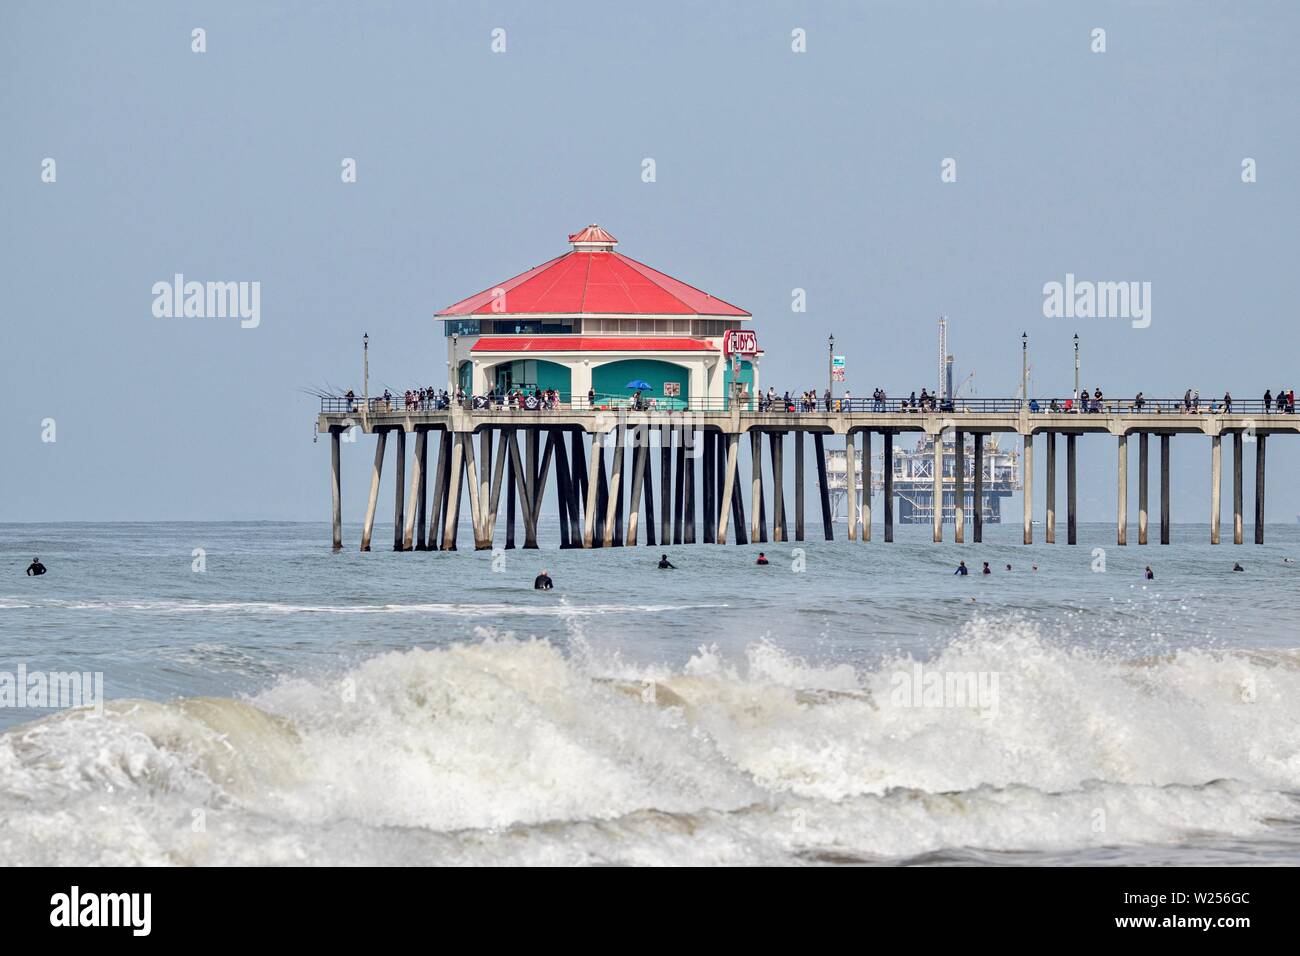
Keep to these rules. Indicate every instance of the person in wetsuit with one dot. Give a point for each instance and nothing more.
(35, 569)
(664, 563)
(987, 569)
(1237, 567)
(962, 569)
(543, 582)
(762, 558)
(1151, 575)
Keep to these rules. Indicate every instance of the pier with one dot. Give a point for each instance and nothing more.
(598, 457)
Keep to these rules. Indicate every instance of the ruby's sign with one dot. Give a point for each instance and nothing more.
(739, 342)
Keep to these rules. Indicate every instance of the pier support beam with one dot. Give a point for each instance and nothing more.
(977, 502)
(710, 487)
(1071, 490)
(756, 483)
(889, 487)
(1142, 487)
(679, 485)
(593, 486)
(510, 497)
(476, 517)
(439, 509)
(865, 470)
(422, 494)
(688, 493)
(1121, 508)
(1216, 480)
(1237, 452)
(728, 486)
(613, 511)
(639, 453)
(336, 489)
(798, 485)
(936, 482)
(399, 488)
(1050, 530)
(1028, 468)
(415, 515)
(368, 527)
(959, 488)
(851, 484)
(1164, 489)
(1261, 441)
(498, 475)
(776, 442)
(665, 484)
(452, 500)
(819, 448)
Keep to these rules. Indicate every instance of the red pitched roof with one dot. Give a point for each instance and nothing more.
(586, 343)
(593, 283)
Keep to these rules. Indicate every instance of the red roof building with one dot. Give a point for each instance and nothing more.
(596, 320)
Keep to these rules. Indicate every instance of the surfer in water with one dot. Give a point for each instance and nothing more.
(35, 569)
(1151, 575)
(1237, 567)
(543, 582)
(987, 569)
(762, 558)
(665, 564)
(962, 569)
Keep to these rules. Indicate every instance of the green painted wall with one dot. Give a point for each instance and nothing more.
(612, 379)
(746, 376)
(537, 372)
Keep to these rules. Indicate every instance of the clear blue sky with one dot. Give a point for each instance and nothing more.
(775, 171)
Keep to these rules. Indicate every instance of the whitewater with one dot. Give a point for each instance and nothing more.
(363, 709)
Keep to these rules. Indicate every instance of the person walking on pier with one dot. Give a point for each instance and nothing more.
(665, 564)
(543, 582)
(35, 569)
(1138, 401)
(1268, 401)
(827, 398)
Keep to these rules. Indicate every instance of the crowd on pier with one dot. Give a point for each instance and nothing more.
(1082, 403)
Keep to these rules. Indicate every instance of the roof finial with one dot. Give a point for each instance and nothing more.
(593, 239)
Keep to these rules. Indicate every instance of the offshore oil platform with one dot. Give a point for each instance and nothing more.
(914, 469)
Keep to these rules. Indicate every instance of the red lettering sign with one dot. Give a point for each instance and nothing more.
(739, 342)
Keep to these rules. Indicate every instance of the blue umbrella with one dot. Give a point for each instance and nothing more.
(644, 386)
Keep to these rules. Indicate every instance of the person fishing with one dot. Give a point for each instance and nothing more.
(543, 582)
(665, 564)
(35, 569)
(962, 569)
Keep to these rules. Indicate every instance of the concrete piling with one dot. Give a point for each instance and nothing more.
(1164, 489)
(1142, 487)
(1121, 517)
(819, 449)
(1027, 469)
(1049, 530)
(1237, 452)
(850, 483)
(1071, 490)
(336, 490)
(1216, 480)
(1261, 442)
(959, 487)
(978, 497)
(368, 526)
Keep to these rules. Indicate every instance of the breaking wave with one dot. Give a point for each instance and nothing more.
(508, 751)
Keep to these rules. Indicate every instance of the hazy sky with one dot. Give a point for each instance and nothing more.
(775, 170)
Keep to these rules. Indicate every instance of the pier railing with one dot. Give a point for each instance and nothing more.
(974, 406)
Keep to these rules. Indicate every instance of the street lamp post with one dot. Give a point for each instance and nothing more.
(451, 367)
(1076, 368)
(365, 375)
(830, 367)
(1024, 367)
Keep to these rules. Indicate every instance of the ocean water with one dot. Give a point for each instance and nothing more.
(850, 703)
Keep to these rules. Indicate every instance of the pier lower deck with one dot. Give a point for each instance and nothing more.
(603, 499)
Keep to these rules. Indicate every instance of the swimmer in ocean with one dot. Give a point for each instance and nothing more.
(1151, 575)
(962, 569)
(543, 582)
(987, 569)
(35, 569)
(762, 558)
(1237, 567)
(665, 564)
